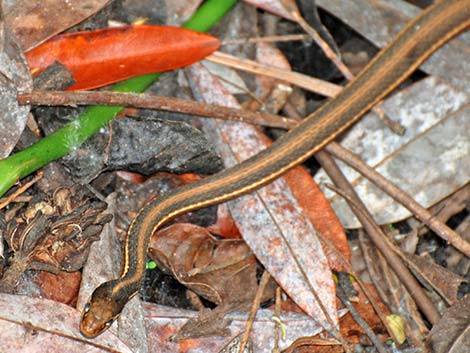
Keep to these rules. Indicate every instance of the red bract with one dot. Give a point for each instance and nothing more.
(98, 58)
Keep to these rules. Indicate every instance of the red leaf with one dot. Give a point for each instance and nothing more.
(98, 58)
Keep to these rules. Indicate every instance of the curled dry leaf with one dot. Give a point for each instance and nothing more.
(225, 225)
(222, 271)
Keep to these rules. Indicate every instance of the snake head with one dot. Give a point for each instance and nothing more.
(101, 311)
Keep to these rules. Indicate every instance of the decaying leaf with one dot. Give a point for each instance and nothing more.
(435, 116)
(443, 281)
(309, 196)
(222, 271)
(452, 333)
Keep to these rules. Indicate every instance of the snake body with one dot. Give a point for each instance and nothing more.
(390, 67)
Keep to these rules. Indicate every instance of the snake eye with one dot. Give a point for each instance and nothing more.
(109, 323)
(86, 308)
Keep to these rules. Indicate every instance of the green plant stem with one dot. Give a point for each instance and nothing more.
(73, 134)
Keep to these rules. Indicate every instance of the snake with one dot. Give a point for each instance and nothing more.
(390, 67)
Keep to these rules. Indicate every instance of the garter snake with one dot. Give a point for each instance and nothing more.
(393, 64)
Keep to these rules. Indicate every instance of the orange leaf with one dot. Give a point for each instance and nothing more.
(318, 209)
(98, 58)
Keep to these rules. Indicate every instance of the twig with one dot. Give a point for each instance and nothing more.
(268, 39)
(400, 196)
(277, 313)
(150, 101)
(306, 82)
(254, 309)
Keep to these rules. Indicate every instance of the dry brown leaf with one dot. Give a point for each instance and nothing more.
(62, 287)
(452, 333)
(443, 281)
(222, 271)
(225, 225)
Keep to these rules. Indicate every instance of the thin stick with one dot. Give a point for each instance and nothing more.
(150, 101)
(277, 313)
(306, 82)
(254, 309)
(267, 39)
